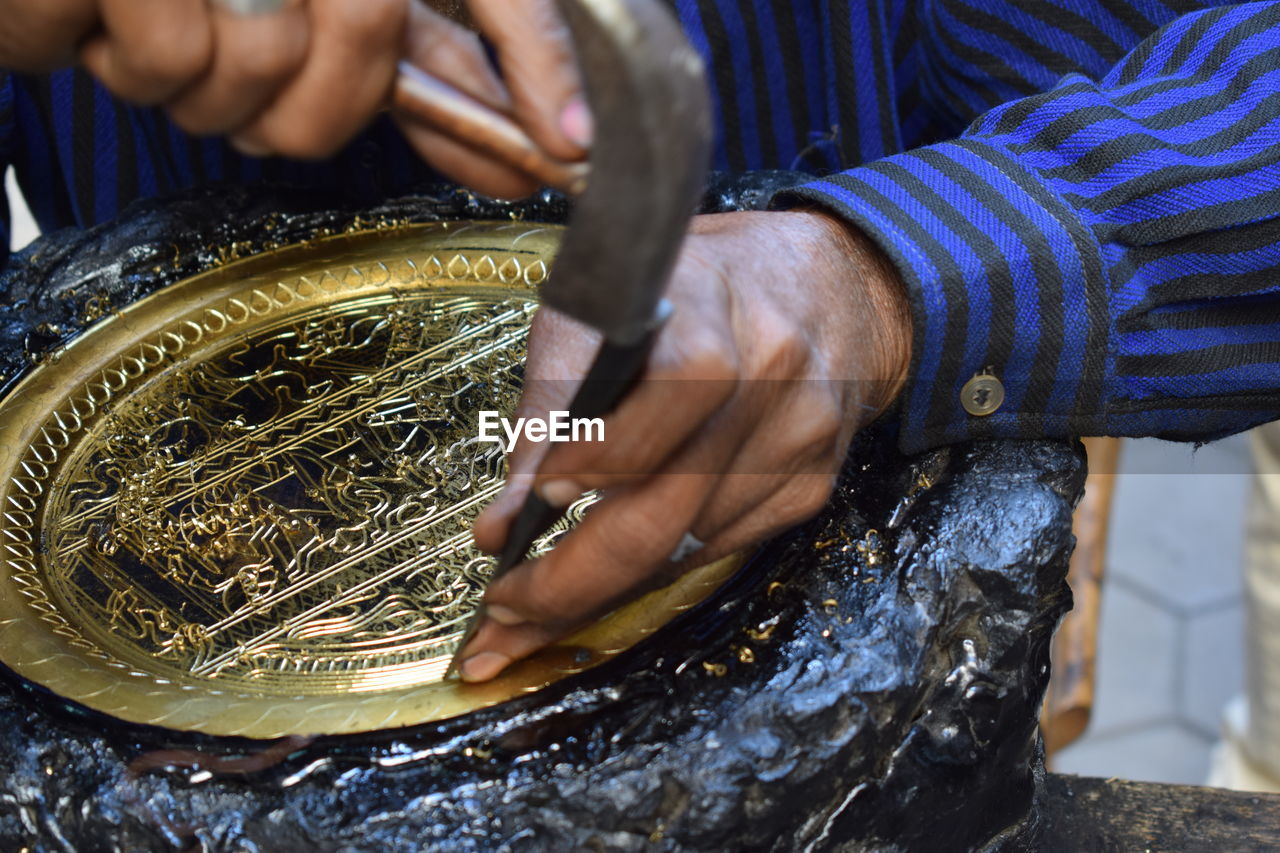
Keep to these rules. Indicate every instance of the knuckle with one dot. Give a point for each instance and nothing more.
(811, 496)
(619, 460)
(782, 351)
(54, 15)
(445, 49)
(715, 361)
(822, 426)
(258, 67)
(372, 21)
(161, 57)
(708, 357)
(629, 543)
(784, 356)
(552, 66)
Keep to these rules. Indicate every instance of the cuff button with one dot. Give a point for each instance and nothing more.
(982, 394)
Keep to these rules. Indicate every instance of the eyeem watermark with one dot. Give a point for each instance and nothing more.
(557, 426)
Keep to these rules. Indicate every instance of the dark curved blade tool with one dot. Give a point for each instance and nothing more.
(648, 94)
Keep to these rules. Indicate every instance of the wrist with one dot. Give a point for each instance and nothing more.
(881, 305)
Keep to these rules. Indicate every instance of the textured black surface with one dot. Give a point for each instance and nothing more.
(1118, 816)
(870, 682)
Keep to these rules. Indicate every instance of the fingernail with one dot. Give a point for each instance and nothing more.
(503, 615)
(576, 122)
(248, 147)
(560, 493)
(483, 666)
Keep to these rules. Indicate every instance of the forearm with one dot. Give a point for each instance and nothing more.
(1108, 249)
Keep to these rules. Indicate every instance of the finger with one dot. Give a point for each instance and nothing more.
(150, 50)
(496, 646)
(254, 56)
(346, 77)
(560, 349)
(620, 548)
(691, 376)
(454, 54)
(783, 470)
(694, 365)
(538, 64)
(654, 423)
(36, 37)
(793, 453)
(451, 53)
(786, 502)
(463, 164)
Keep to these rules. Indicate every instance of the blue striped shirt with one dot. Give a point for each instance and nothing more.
(1082, 196)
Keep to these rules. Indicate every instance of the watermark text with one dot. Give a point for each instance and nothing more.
(557, 426)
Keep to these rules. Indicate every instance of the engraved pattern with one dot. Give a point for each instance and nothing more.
(243, 505)
(297, 502)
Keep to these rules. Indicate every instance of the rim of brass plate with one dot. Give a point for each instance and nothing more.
(176, 322)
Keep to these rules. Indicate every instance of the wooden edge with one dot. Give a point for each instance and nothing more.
(1068, 701)
(1082, 813)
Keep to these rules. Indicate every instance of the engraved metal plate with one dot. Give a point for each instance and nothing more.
(243, 504)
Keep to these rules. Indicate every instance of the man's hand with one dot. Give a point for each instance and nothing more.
(302, 80)
(789, 334)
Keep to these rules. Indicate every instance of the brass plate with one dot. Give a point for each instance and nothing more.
(242, 505)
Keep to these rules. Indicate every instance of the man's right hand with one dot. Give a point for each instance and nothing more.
(302, 80)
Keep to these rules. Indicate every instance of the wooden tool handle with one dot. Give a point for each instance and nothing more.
(483, 128)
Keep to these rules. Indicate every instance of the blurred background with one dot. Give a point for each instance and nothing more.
(1169, 634)
(23, 228)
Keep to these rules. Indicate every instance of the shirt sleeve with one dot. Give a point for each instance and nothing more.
(1109, 251)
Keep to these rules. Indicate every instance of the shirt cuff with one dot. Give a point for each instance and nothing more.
(1004, 278)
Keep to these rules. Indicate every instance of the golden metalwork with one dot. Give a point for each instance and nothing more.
(243, 504)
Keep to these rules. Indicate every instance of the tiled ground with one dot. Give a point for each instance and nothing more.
(1170, 643)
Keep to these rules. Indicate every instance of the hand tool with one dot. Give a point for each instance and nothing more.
(481, 127)
(647, 91)
(456, 114)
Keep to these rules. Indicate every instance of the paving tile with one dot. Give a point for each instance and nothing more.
(1213, 671)
(1180, 536)
(1152, 456)
(1164, 753)
(1170, 636)
(1136, 677)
